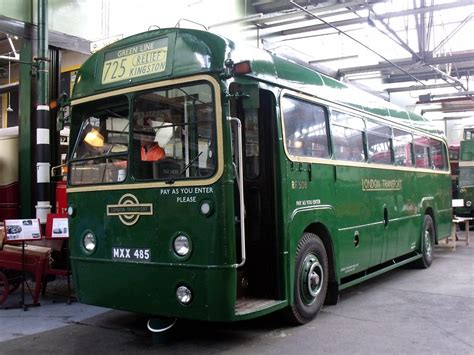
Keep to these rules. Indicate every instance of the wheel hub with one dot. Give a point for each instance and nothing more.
(312, 278)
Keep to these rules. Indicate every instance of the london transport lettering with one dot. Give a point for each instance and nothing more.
(381, 185)
(132, 62)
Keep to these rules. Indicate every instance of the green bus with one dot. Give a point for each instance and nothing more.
(273, 186)
(466, 177)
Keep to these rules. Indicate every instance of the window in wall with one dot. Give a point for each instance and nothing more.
(402, 148)
(305, 128)
(347, 133)
(378, 143)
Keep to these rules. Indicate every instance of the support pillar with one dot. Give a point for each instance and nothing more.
(43, 148)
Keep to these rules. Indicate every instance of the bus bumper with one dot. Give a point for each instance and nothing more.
(150, 288)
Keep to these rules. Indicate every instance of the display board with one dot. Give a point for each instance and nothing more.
(57, 226)
(17, 230)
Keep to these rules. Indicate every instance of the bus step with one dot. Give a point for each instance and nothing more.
(247, 305)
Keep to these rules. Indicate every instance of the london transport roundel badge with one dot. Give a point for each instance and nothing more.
(129, 209)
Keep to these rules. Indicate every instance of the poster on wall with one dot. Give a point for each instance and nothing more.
(18, 230)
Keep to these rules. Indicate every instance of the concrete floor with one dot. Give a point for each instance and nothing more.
(406, 311)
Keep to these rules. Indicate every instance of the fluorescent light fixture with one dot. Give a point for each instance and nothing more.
(94, 138)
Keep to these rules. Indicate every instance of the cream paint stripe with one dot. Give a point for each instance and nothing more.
(328, 161)
(180, 183)
(42, 108)
(144, 185)
(42, 136)
(145, 87)
(466, 164)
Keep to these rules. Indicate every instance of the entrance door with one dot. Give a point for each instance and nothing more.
(258, 278)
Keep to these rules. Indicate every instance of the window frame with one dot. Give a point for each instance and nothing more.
(324, 110)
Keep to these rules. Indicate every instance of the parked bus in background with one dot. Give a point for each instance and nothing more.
(466, 176)
(279, 186)
(9, 188)
(454, 165)
(468, 133)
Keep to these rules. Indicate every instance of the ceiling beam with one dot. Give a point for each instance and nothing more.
(424, 75)
(452, 58)
(418, 87)
(359, 20)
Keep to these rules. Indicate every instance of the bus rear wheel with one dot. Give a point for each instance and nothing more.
(427, 243)
(311, 279)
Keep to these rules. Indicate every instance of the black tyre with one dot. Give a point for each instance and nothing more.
(427, 243)
(311, 279)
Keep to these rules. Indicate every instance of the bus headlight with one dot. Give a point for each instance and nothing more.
(181, 245)
(89, 242)
(184, 295)
(468, 203)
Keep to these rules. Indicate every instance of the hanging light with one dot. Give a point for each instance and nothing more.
(9, 108)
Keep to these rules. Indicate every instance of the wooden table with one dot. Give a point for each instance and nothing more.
(453, 236)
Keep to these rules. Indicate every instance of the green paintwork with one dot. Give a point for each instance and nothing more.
(26, 158)
(343, 209)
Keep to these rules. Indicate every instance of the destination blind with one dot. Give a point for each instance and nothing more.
(132, 62)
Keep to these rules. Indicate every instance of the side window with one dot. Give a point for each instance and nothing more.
(421, 148)
(437, 155)
(402, 147)
(378, 143)
(305, 128)
(347, 134)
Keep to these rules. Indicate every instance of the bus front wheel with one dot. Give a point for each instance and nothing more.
(427, 243)
(311, 279)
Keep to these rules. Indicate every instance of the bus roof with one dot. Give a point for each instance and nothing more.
(203, 52)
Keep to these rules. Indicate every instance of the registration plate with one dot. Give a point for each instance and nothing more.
(131, 254)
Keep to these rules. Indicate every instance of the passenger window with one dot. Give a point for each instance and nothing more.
(421, 149)
(437, 155)
(402, 148)
(305, 128)
(347, 134)
(378, 143)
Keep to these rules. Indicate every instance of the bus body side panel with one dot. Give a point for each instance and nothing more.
(355, 220)
(434, 193)
(310, 195)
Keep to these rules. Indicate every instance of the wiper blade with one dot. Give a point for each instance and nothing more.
(190, 163)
